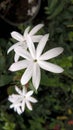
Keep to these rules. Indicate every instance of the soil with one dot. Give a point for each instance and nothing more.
(18, 11)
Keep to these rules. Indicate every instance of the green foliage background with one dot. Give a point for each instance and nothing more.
(54, 109)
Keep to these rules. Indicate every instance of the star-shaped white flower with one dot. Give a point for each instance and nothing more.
(21, 99)
(23, 38)
(34, 60)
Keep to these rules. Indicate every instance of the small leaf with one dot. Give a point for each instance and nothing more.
(70, 35)
(5, 79)
(10, 90)
(2, 62)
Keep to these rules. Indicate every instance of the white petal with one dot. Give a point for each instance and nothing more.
(12, 97)
(19, 65)
(36, 76)
(31, 46)
(17, 36)
(24, 45)
(13, 47)
(36, 29)
(29, 93)
(26, 76)
(19, 111)
(33, 100)
(51, 53)
(29, 106)
(23, 105)
(11, 106)
(36, 38)
(26, 31)
(50, 67)
(16, 99)
(41, 45)
(18, 90)
(16, 57)
(24, 90)
(23, 53)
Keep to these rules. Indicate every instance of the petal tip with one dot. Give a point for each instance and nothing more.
(11, 69)
(61, 70)
(62, 49)
(22, 82)
(41, 24)
(8, 52)
(12, 33)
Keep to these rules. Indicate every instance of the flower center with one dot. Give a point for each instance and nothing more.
(35, 60)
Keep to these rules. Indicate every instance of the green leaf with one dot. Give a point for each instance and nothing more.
(3, 43)
(72, 1)
(9, 126)
(44, 79)
(10, 90)
(51, 7)
(2, 62)
(5, 79)
(70, 35)
(57, 11)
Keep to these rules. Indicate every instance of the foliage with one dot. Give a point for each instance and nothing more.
(54, 109)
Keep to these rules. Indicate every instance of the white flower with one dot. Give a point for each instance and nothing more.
(21, 99)
(23, 38)
(34, 60)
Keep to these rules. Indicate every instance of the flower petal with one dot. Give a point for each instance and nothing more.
(29, 93)
(24, 90)
(29, 106)
(23, 105)
(26, 76)
(26, 31)
(51, 53)
(23, 53)
(16, 57)
(17, 36)
(19, 111)
(15, 105)
(33, 100)
(50, 67)
(36, 38)
(18, 90)
(23, 45)
(19, 65)
(36, 29)
(41, 45)
(31, 46)
(36, 76)
(13, 98)
(13, 47)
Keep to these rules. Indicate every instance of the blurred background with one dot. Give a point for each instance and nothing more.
(54, 110)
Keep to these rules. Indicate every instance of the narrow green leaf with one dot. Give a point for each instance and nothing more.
(51, 7)
(57, 11)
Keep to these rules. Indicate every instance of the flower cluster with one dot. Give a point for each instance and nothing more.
(21, 99)
(33, 60)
